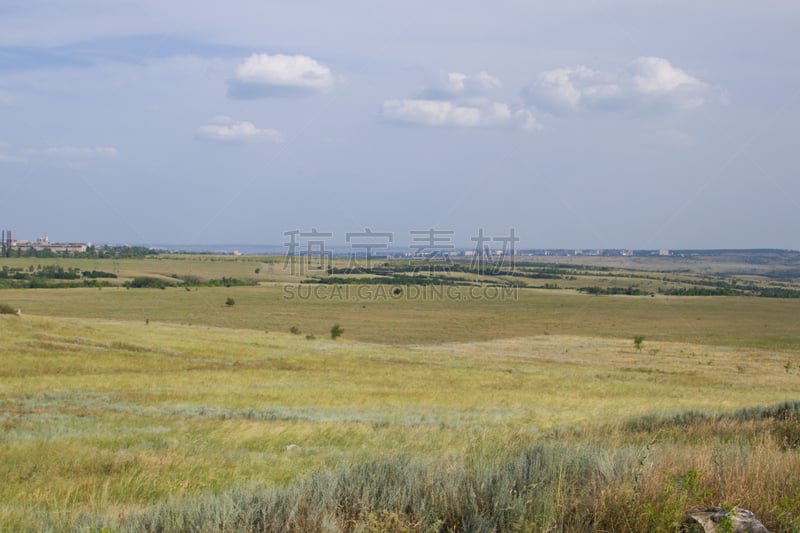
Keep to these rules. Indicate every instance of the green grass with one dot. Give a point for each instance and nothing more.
(165, 410)
(203, 267)
(102, 416)
(378, 317)
(584, 486)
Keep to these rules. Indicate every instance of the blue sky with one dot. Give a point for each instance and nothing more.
(580, 124)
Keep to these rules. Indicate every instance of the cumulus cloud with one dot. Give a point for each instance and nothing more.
(655, 77)
(436, 113)
(647, 80)
(264, 75)
(458, 100)
(82, 152)
(225, 129)
(472, 114)
(569, 89)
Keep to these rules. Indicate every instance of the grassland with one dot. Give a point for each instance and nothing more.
(378, 317)
(160, 410)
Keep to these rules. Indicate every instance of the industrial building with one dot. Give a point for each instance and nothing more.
(10, 245)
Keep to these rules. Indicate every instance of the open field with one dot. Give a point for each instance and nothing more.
(736, 273)
(162, 410)
(374, 315)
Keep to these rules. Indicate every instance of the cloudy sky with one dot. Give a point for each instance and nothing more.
(635, 124)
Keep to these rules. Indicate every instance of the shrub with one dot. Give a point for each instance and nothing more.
(336, 331)
(230, 301)
(637, 342)
(294, 330)
(6, 309)
(98, 274)
(146, 282)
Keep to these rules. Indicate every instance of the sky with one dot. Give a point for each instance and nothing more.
(577, 124)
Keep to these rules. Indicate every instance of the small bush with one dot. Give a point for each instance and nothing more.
(229, 302)
(336, 331)
(637, 342)
(294, 330)
(6, 309)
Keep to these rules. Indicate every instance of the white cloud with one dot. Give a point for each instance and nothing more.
(527, 120)
(570, 89)
(226, 129)
(82, 152)
(262, 75)
(430, 112)
(457, 84)
(487, 81)
(458, 100)
(556, 88)
(470, 114)
(648, 80)
(656, 77)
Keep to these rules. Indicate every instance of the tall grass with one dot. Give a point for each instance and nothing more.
(156, 427)
(606, 479)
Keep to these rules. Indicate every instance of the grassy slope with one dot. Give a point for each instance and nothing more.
(108, 416)
(102, 412)
(740, 321)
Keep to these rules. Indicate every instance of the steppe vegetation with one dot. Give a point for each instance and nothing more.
(149, 409)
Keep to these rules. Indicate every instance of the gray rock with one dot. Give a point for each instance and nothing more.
(743, 521)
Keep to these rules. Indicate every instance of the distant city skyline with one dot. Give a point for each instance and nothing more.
(344, 249)
(621, 125)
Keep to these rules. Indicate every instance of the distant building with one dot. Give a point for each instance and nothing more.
(12, 245)
(664, 252)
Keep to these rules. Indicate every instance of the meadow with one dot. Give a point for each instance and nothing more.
(468, 410)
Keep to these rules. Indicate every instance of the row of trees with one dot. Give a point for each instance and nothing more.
(92, 252)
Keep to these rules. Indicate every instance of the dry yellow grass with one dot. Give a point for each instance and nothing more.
(99, 414)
